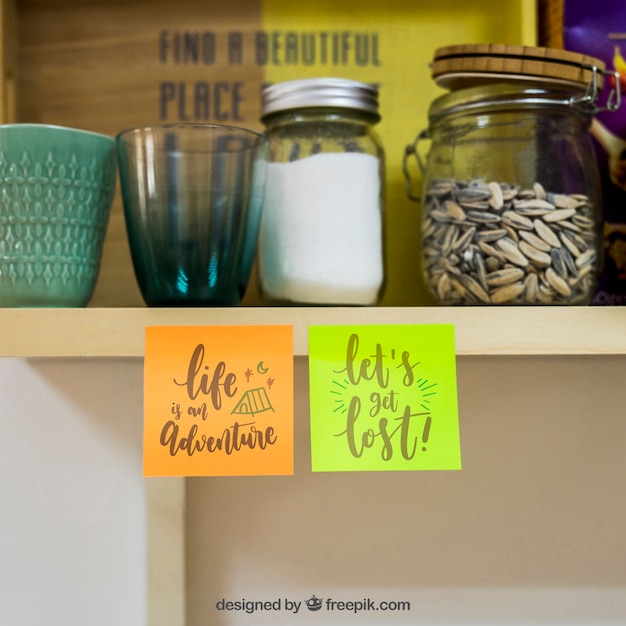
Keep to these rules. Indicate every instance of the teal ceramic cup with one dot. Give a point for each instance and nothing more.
(193, 198)
(56, 191)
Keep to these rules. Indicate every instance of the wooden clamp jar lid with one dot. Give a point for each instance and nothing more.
(459, 66)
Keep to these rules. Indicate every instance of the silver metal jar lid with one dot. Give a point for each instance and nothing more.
(319, 92)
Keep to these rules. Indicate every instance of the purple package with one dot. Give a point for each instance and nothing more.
(599, 30)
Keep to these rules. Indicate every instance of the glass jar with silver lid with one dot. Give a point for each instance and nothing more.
(322, 231)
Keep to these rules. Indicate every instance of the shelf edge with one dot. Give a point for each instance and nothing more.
(502, 331)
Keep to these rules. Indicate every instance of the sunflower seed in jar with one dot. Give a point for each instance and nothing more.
(583, 221)
(473, 194)
(546, 233)
(454, 210)
(508, 293)
(540, 192)
(441, 188)
(508, 193)
(449, 236)
(567, 225)
(435, 277)
(519, 222)
(474, 288)
(511, 233)
(489, 236)
(441, 215)
(458, 287)
(497, 198)
(427, 227)
(448, 266)
(557, 283)
(462, 241)
(492, 264)
(509, 250)
(540, 259)
(542, 206)
(562, 201)
(558, 262)
(531, 287)
(569, 244)
(496, 243)
(482, 217)
(585, 258)
(474, 206)
(504, 276)
(577, 240)
(437, 231)
(558, 214)
(481, 270)
(546, 295)
(535, 241)
(490, 252)
(569, 261)
(443, 286)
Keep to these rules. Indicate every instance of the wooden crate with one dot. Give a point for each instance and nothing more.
(106, 66)
(551, 23)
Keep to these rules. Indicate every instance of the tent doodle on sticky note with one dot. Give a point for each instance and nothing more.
(253, 401)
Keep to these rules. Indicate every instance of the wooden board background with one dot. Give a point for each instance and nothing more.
(97, 65)
(100, 65)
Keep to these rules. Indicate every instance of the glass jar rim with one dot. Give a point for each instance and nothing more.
(514, 95)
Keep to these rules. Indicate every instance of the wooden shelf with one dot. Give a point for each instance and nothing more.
(119, 332)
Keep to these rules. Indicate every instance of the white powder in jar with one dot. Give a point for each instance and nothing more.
(321, 231)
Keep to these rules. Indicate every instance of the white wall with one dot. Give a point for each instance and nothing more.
(72, 502)
(531, 531)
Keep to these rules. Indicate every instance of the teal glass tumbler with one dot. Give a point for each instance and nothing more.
(193, 198)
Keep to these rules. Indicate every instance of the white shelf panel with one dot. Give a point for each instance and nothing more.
(119, 332)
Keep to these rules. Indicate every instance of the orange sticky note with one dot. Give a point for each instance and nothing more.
(218, 401)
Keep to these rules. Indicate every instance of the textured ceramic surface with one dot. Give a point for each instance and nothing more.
(56, 191)
(193, 197)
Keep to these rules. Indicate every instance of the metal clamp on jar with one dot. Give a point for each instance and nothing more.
(511, 190)
(321, 239)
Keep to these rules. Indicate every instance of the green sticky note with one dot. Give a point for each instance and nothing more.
(383, 398)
